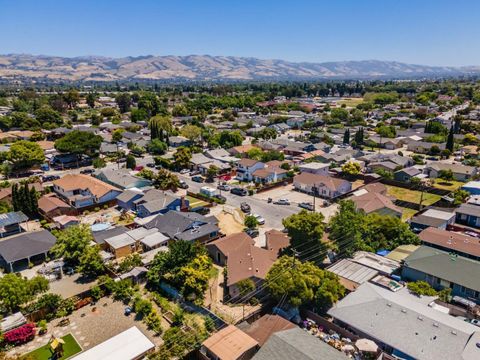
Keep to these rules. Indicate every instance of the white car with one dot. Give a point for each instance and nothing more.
(184, 171)
(282, 202)
(260, 220)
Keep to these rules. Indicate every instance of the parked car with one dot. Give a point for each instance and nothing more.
(307, 206)
(220, 197)
(282, 202)
(260, 220)
(138, 168)
(183, 185)
(245, 207)
(198, 178)
(87, 171)
(48, 178)
(239, 191)
(252, 232)
(475, 322)
(184, 171)
(151, 165)
(224, 187)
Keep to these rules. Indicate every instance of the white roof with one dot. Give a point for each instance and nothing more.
(314, 166)
(128, 345)
(154, 239)
(472, 184)
(438, 214)
(120, 241)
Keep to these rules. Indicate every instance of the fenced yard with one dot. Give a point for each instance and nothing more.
(412, 196)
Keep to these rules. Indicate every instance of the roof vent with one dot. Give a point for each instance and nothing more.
(404, 311)
(389, 304)
(435, 324)
(420, 317)
(454, 332)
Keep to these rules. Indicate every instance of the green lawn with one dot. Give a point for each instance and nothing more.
(407, 213)
(350, 102)
(412, 196)
(70, 348)
(195, 203)
(447, 185)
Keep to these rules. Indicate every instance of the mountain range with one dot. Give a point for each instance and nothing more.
(15, 67)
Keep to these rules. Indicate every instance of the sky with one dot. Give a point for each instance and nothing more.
(430, 32)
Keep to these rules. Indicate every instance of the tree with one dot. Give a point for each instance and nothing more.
(446, 174)
(182, 157)
(386, 131)
(303, 228)
(131, 162)
(166, 180)
(359, 139)
(124, 100)
(137, 115)
(329, 291)
(72, 97)
(90, 263)
(117, 135)
(194, 277)
(346, 136)
(99, 163)
(157, 147)
(460, 196)
(16, 290)
(146, 174)
(421, 288)
(268, 133)
(246, 286)
(79, 142)
(160, 127)
(191, 132)
(25, 154)
(212, 171)
(226, 139)
(250, 222)
(255, 153)
(90, 98)
(72, 243)
(351, 168)
(346, 227)
(25, 199)
(450, 141)
(48, 117)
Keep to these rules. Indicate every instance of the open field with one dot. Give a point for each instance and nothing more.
(350, 102)
(447, 185)
(412, 196)
(70, 348)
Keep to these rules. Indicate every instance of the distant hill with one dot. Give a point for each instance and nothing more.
(206, 68)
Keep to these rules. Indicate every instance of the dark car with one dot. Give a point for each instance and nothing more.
(48, 178)
(198, 178)
(252, 232)
(239, 191)
(245, 207)
(220, 197)
(183, 185)
(87, 171)
(307, 205)
(151, 165)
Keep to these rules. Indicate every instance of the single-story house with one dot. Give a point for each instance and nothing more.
(454, 242)
(432, 218)
(177, 141)
(10, 223)
(126, 200)
(122, 179)
(406, 174)
(323, 186)
(372, 202)
(51, 206)
(460, 172)
(229, 343)
(314, 168)
(468, 214)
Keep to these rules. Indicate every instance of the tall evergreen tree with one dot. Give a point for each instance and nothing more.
(346, 136)
(15, 197)
(359, 137)
(450, 142)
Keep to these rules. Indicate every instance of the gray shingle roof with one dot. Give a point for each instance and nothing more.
(12, 218)
(26, 245)
(299, 345)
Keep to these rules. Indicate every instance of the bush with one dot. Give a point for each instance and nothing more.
(420, 288)
(142, 307)
(20, 335)
(96, 292)
(153, 322)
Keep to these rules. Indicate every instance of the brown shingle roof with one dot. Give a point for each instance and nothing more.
(314, 179)
(276, 241)
(373, 201)
(267, 325)
(79, 181)
(451, 240)
(247, 162)
(230, 343)
(50, 202)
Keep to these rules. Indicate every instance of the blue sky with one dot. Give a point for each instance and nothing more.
(432, 32)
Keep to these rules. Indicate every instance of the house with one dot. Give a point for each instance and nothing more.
(351, 274)
(23, 249)
(81, 191)
(315, 168)
(383, 165)
(130, 344)
(126, 200)
(297, 344)
(177, 141)
(276, 241)
(443, 269)
(280, 127)
(64, 221)
(243, 260)
(373, 202)
(423, 147)
(162, 202)
(269, 175)
(100, 236)
(242, 150)
(460, 172)
(221, 155)
(468, 214)
(50, 206)
(124, 242)
(188, 226)
(10, 223)
(246, 168)
(404, 326)
(262, 329)
(122, 179)
(229, 343)
(432, 218)
(323, 186)
(406, 175)
(473, 187)
(458, 243)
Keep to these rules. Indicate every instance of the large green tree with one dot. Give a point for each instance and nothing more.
(79, 142)
(182, 157)
(25, 154)
(90, 263)
(16, 290)
(72, 243)
(166, 180)
(160, 127)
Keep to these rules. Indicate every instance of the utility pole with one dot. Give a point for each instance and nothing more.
(421, 196)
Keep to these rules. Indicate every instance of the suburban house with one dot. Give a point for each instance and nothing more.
(406, 175)
(458, 243)
(126, 242)
(10, 223)
(315, 168)
(460, 172)
(297, 344)
(468, 214)
(444, 269)
(473, 187)
(243, 260)
(372, 202)
(81, 191)
(229, 343)
(432, 218)
(177, 141)
(262, 329)
(241, 150)
(22, 249)
(275, 241)
(156, 201)
(246, 168)
(50, 206)
(126, 200)
(269, 175)
(320, 185)
(423, 147)
(404, 326)
(64, 221)
(188, 226)
(122, 179)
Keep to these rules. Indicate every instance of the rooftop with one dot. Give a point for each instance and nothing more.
(451, 240)
(230, 343)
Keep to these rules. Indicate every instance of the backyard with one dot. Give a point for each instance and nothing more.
(70, 348)
(450, 185)
(408, 213)
(195, 203)
(412, 196)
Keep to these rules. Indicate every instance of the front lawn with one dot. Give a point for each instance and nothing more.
(412, 196)
(447, 185)
(195, 203)
(70, 348)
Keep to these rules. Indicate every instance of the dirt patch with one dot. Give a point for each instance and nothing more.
(227, 223)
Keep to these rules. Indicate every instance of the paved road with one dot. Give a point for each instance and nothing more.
(273, 214)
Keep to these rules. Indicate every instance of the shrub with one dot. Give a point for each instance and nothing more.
(96, 292)
(142, 307)
(421, 288)
(20, 335)
(153, 322)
